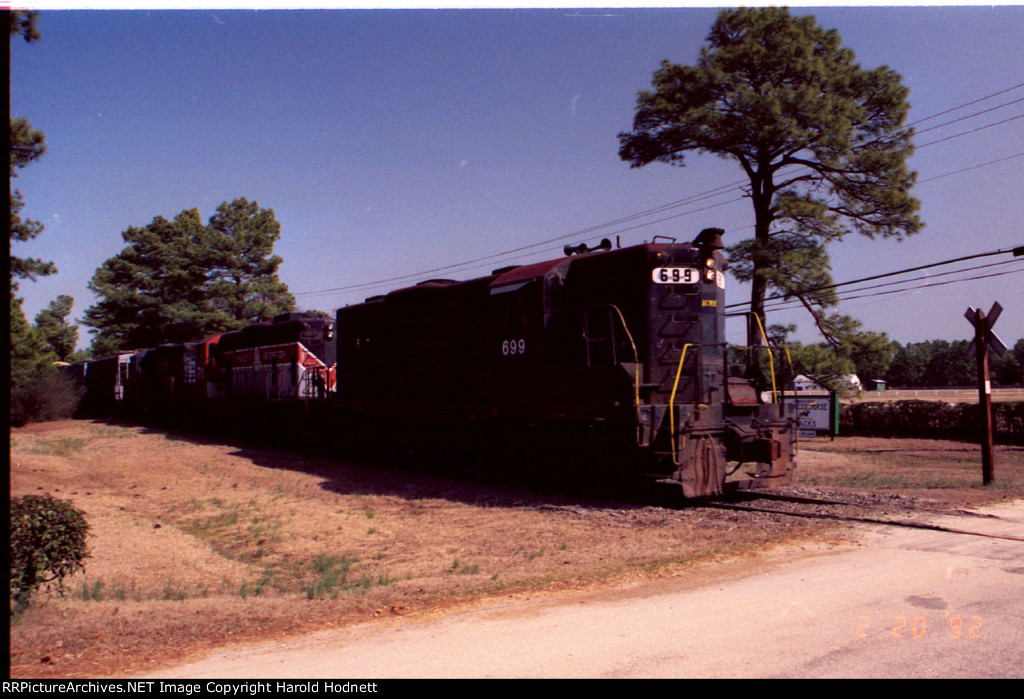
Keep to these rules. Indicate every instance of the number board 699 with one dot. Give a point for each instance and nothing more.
(512, 347)
(675, 275)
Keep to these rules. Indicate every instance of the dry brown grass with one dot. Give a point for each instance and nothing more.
(946, 471)
(196, 544)
(946, 395)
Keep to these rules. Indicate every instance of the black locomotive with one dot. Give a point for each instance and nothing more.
(616, 356)
(603, 359)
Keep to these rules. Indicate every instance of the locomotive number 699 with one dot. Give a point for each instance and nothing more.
(513, 347)
(675, 275)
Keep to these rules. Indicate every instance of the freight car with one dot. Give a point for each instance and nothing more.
(602, 359)
(615, 356)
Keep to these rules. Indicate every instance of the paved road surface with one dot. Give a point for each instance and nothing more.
(895, 603)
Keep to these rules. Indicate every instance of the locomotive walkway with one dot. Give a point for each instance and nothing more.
(894, 602)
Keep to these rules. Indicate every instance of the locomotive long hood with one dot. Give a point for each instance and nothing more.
(520, 276)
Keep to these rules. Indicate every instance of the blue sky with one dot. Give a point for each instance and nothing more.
(396, 142)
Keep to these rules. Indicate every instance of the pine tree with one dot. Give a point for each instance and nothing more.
(56, 330)
(38, 391)
(243, 281)
(26, 146)
(178, 281)
(820, 139)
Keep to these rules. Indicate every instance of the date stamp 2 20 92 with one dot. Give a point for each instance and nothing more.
(951, 626)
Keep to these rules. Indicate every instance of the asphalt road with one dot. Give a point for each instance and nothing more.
(893, 603)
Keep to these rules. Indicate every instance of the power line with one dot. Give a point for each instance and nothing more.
(973, 167)
(724, 189)
(693, 199)
(786, 302)
(935, 284)
(466, 265)
(665, 207)
(969, 116)
(967, 104)
(855, 294)
(826, 287)
(965, 133)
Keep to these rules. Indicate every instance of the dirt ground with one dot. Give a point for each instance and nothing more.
(196, 544)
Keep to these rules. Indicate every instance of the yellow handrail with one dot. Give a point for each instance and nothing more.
(672, 403)
(636, 358)
(636, 371)
(771, 362)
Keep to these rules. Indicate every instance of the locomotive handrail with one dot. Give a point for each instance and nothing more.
(636, 371)
(775, 391)
(771, 361)
(673, 432)
(632, 343)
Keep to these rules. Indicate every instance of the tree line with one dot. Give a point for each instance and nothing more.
(938, 363)
(928, 364)
(175, 281)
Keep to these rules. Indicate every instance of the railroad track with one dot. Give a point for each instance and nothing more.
(853, 507)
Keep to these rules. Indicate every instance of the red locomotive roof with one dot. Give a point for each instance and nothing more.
(527, 272)
(516, 275)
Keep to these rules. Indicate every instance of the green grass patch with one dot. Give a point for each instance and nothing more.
(111, 432)
(174, 593)
(235, 530)
(92, 592)
(462, 568)
(332, 576)
(61, 446)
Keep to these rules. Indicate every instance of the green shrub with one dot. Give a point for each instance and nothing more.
(47, 545)
(932, 420)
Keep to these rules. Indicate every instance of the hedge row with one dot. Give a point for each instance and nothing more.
(932, 419)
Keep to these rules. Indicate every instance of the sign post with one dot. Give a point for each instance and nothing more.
(984, 339)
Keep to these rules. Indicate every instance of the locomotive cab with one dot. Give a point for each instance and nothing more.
(638, 339)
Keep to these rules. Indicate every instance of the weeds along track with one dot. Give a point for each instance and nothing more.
(854, 508)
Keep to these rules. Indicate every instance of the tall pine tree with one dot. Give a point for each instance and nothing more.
(37, 391)
(242, 278)
(820, 139)
(26, 146)
(181, 280)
